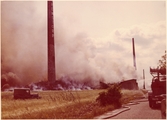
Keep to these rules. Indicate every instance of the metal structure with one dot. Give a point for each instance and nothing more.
(51, 45)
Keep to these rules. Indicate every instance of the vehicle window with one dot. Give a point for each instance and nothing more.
(162, 78)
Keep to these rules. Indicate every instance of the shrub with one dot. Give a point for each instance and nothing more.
(111, 96)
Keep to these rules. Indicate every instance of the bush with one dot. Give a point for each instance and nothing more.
(112, 96)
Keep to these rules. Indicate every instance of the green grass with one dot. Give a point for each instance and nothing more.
(59, 105)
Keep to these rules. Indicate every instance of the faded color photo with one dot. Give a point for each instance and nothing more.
(98, 46)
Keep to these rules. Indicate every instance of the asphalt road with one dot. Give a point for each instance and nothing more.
(139, 111)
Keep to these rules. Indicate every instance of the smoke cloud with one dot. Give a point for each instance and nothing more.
(78, 56)
(23, 41)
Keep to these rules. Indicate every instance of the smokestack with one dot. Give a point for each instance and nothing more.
(134, 57)
(144, 80)
(51, 49)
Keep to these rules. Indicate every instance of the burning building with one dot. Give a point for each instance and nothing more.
(129, 84)
(132, 83)
(81, 63)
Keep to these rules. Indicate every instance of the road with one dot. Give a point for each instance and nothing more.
(139, 111)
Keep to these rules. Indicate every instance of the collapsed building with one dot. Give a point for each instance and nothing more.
(132, 83)
(129, 84)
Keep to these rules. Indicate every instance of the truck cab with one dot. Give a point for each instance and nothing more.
(158, 87)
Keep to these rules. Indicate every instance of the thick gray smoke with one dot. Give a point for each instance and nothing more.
(24, 48)
(23, 38)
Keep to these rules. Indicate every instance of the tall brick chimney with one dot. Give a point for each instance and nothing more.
(134, 56)
(51, 45)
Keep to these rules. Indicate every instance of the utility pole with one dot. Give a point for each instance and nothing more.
(51, 45)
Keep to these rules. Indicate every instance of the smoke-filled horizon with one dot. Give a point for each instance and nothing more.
(79, 54)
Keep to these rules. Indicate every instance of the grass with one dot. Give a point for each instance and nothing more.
(128, 95)
(59, 105)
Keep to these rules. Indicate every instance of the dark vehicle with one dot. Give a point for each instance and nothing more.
(24, 93)
(158, 87)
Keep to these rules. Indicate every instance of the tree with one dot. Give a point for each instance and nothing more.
(162, 62)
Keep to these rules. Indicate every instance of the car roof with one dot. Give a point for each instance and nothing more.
(21, 89)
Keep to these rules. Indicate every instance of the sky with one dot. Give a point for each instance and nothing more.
(93, 39)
